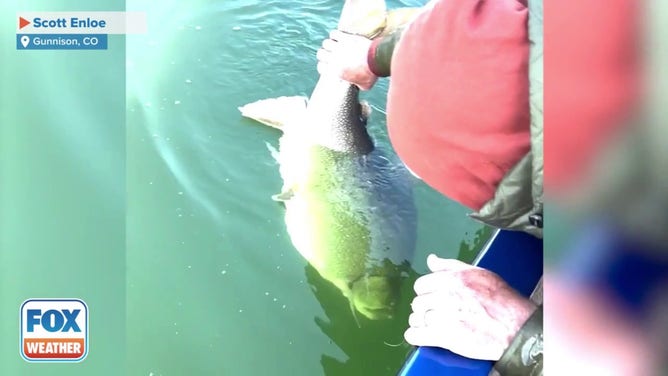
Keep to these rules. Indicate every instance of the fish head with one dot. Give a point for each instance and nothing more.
(375, 297)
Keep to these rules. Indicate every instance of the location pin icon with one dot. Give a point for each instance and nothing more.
(25, 40)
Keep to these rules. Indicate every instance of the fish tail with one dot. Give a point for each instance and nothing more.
(363, 17)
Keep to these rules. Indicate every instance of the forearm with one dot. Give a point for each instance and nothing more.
(524, 356)
(380, 53)
(379, 57)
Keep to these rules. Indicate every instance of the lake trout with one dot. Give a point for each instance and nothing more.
(349, 208)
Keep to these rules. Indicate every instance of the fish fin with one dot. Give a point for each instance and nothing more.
(363, 17)
(273, 151)
(275, 112)
(348, 294)
(365, 111)
(352, 309)
(284, 195)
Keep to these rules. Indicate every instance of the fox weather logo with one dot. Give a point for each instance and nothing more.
(54, 330)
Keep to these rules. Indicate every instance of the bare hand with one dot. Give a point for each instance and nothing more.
(465, 309)
(345, 56)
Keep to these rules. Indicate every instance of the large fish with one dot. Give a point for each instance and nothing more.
(349, 207)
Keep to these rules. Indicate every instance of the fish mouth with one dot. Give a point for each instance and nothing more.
(375, 297)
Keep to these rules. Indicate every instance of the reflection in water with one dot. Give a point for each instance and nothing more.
(375, 347)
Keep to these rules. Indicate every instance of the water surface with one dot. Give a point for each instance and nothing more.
(170, 219)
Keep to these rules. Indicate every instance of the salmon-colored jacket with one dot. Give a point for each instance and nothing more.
(464, 107)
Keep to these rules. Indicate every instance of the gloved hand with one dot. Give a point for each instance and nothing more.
(466, 309)
(345, 56)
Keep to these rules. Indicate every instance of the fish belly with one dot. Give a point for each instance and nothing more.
(337, 219)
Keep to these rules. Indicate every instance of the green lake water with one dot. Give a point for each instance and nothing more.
(129, 179)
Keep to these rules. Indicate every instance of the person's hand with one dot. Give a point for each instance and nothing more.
(345, 56)
(465, 309)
